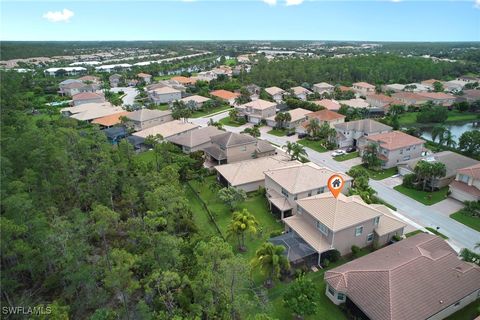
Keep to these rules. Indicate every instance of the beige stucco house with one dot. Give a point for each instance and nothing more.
(276, 93)
(164, 95)
(349, 133)
(146, 118)
(393, 147)
(257, 110)
(167, 129)
(195, 101)
(285, 186)
(301, 93)
(195, 140)
(363, 88)
(323, 116)
(297, 116)
(466, 186)
(417, 278)
(323, 87)
(87, 97)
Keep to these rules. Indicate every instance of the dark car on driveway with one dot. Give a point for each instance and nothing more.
(351, 149)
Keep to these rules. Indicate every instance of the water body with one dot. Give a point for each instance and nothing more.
(455, 128)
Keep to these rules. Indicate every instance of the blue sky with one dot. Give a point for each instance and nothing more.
(397, 20)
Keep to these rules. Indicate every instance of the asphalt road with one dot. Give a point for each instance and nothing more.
(130, 94)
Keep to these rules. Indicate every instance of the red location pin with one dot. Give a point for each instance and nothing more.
(335, 184)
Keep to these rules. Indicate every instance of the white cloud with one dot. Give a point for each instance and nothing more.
(477, 4)
(270, 2)
(293, 2)
(59, 16)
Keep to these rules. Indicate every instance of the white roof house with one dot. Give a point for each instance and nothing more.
(167, 129)
(96, 113)
(68, 70)
(355, 103)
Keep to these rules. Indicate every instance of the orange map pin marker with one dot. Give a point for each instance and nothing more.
(335, 184)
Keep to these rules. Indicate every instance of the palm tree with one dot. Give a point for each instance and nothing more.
(449, 139)
(437, 170)
(271, 260)
(233, 114)
(438, 131)
(242, 222)
(253, 131)
(295, 150)
(313, 127)
(212, 123)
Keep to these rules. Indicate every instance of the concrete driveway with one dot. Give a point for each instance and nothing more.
(393, 181)
(448, 206)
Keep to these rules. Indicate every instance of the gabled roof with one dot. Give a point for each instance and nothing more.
(167, 129)
(196, 137)
(412, 279)
(323, 85)
(258, 104)
(110, 120)
(355, 103)
(301, 178)
(224, 94)
(338, 213)
(328, 104)
(184, 80)
(195, 98)
(89, 78)
(73, 85)
(364, 85)
(274, 90)
(87, 96)
(436, 95)
(472, 171)
(86, 107)
(395, 140)
(147, 114)
(230, 139)
(300, 90)
(144, 75)
(96, 113)
(325, 115)
(166, 90)
(243, 172)
(366, 125)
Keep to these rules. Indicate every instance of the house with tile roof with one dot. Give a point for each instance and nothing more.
(87, 97)
(285, 186)
(115, 80)
(145, 77)
(382, 102)
(329, 104)
(439, 98)
(417, 278)
(323, 87)
(248, 175)
(110, 120)
(95, 113)
(225, 95)
(195, 140)
(145, 118)
(232, 147)
(323, 116)
(276, 93)
(301, 92)
(466, 186)
(186, 81)
(167, 129)
(297, 117)
(363, 88)
(410, 98)
(164, 94)
(195, 102)
(71, 87)
(393, 147)
(349, 133)
(257, 110)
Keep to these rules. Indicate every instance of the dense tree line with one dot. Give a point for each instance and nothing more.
(376, 69)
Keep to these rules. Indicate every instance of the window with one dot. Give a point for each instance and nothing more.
(358, 231)
(322, 228)
(340, 296)
(284, 192)
(309, 194)
(320, 190)
(370, 237)
(299, 210)
(463, 178)
(331, 291)
(376, 221)
(295, 198)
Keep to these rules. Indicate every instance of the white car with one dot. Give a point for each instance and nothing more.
(338, 153)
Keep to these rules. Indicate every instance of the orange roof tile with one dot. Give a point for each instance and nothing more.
(224, 94)
(184, 80)
(110, 120)
(395, 140)
(325, 115)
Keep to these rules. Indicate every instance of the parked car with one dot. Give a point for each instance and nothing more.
(290, 133)
(338, 153)
(351, 149)
(302, 135)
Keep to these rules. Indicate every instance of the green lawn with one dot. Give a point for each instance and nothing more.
(410, 118)
(380, 174)
(278, 132)
(312, 144)
(200, 216)
(160, 78)
(231, 62)
(469, 312)
(163, 106)
(469, 221)
(411, 234)
(204, 113)
(427, 198)
(434, 231)
(346, 157)
(228, 122)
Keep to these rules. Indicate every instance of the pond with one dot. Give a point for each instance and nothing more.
(455, 128)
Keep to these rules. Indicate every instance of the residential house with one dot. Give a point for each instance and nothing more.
(115, 134)
(114, 80)
(418, 278)
(430, 83)
(65, 71)
(186, 81)
(348, 133)
(323, 87)
(164, 95)
(226, 96)
(145, 77)
(231, 147)
(439, 98)
(410, 98)
(395, 87)
(206, 76)
(69, 111)
(276, 93)
(167, 129)
(452, 161)
(285, 186)
(87, 97)
(195, 140)
(195, 102)
(257, 110)
(466, 186)
(248, 175)
(329, 104)
(468, 79)
(453, 86)
(416, 87)
(323, 116)
(326, 223)
(110, 120)
(356, 103)
(145, 118)
(166, 83)
(131, 82)
(95, 113)
(253, 91)
(393, 147)
(223, 70)
(297, 116)
(71, 87)
(301, 93)
(90, 80)
(470, 96)
(382, 102)
(363, 88)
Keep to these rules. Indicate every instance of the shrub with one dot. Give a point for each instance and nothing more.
(355, 250)
(409, 180)
(241, 120)
(332, 255)
(326, 263)
(275, 233)
(397, 237)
